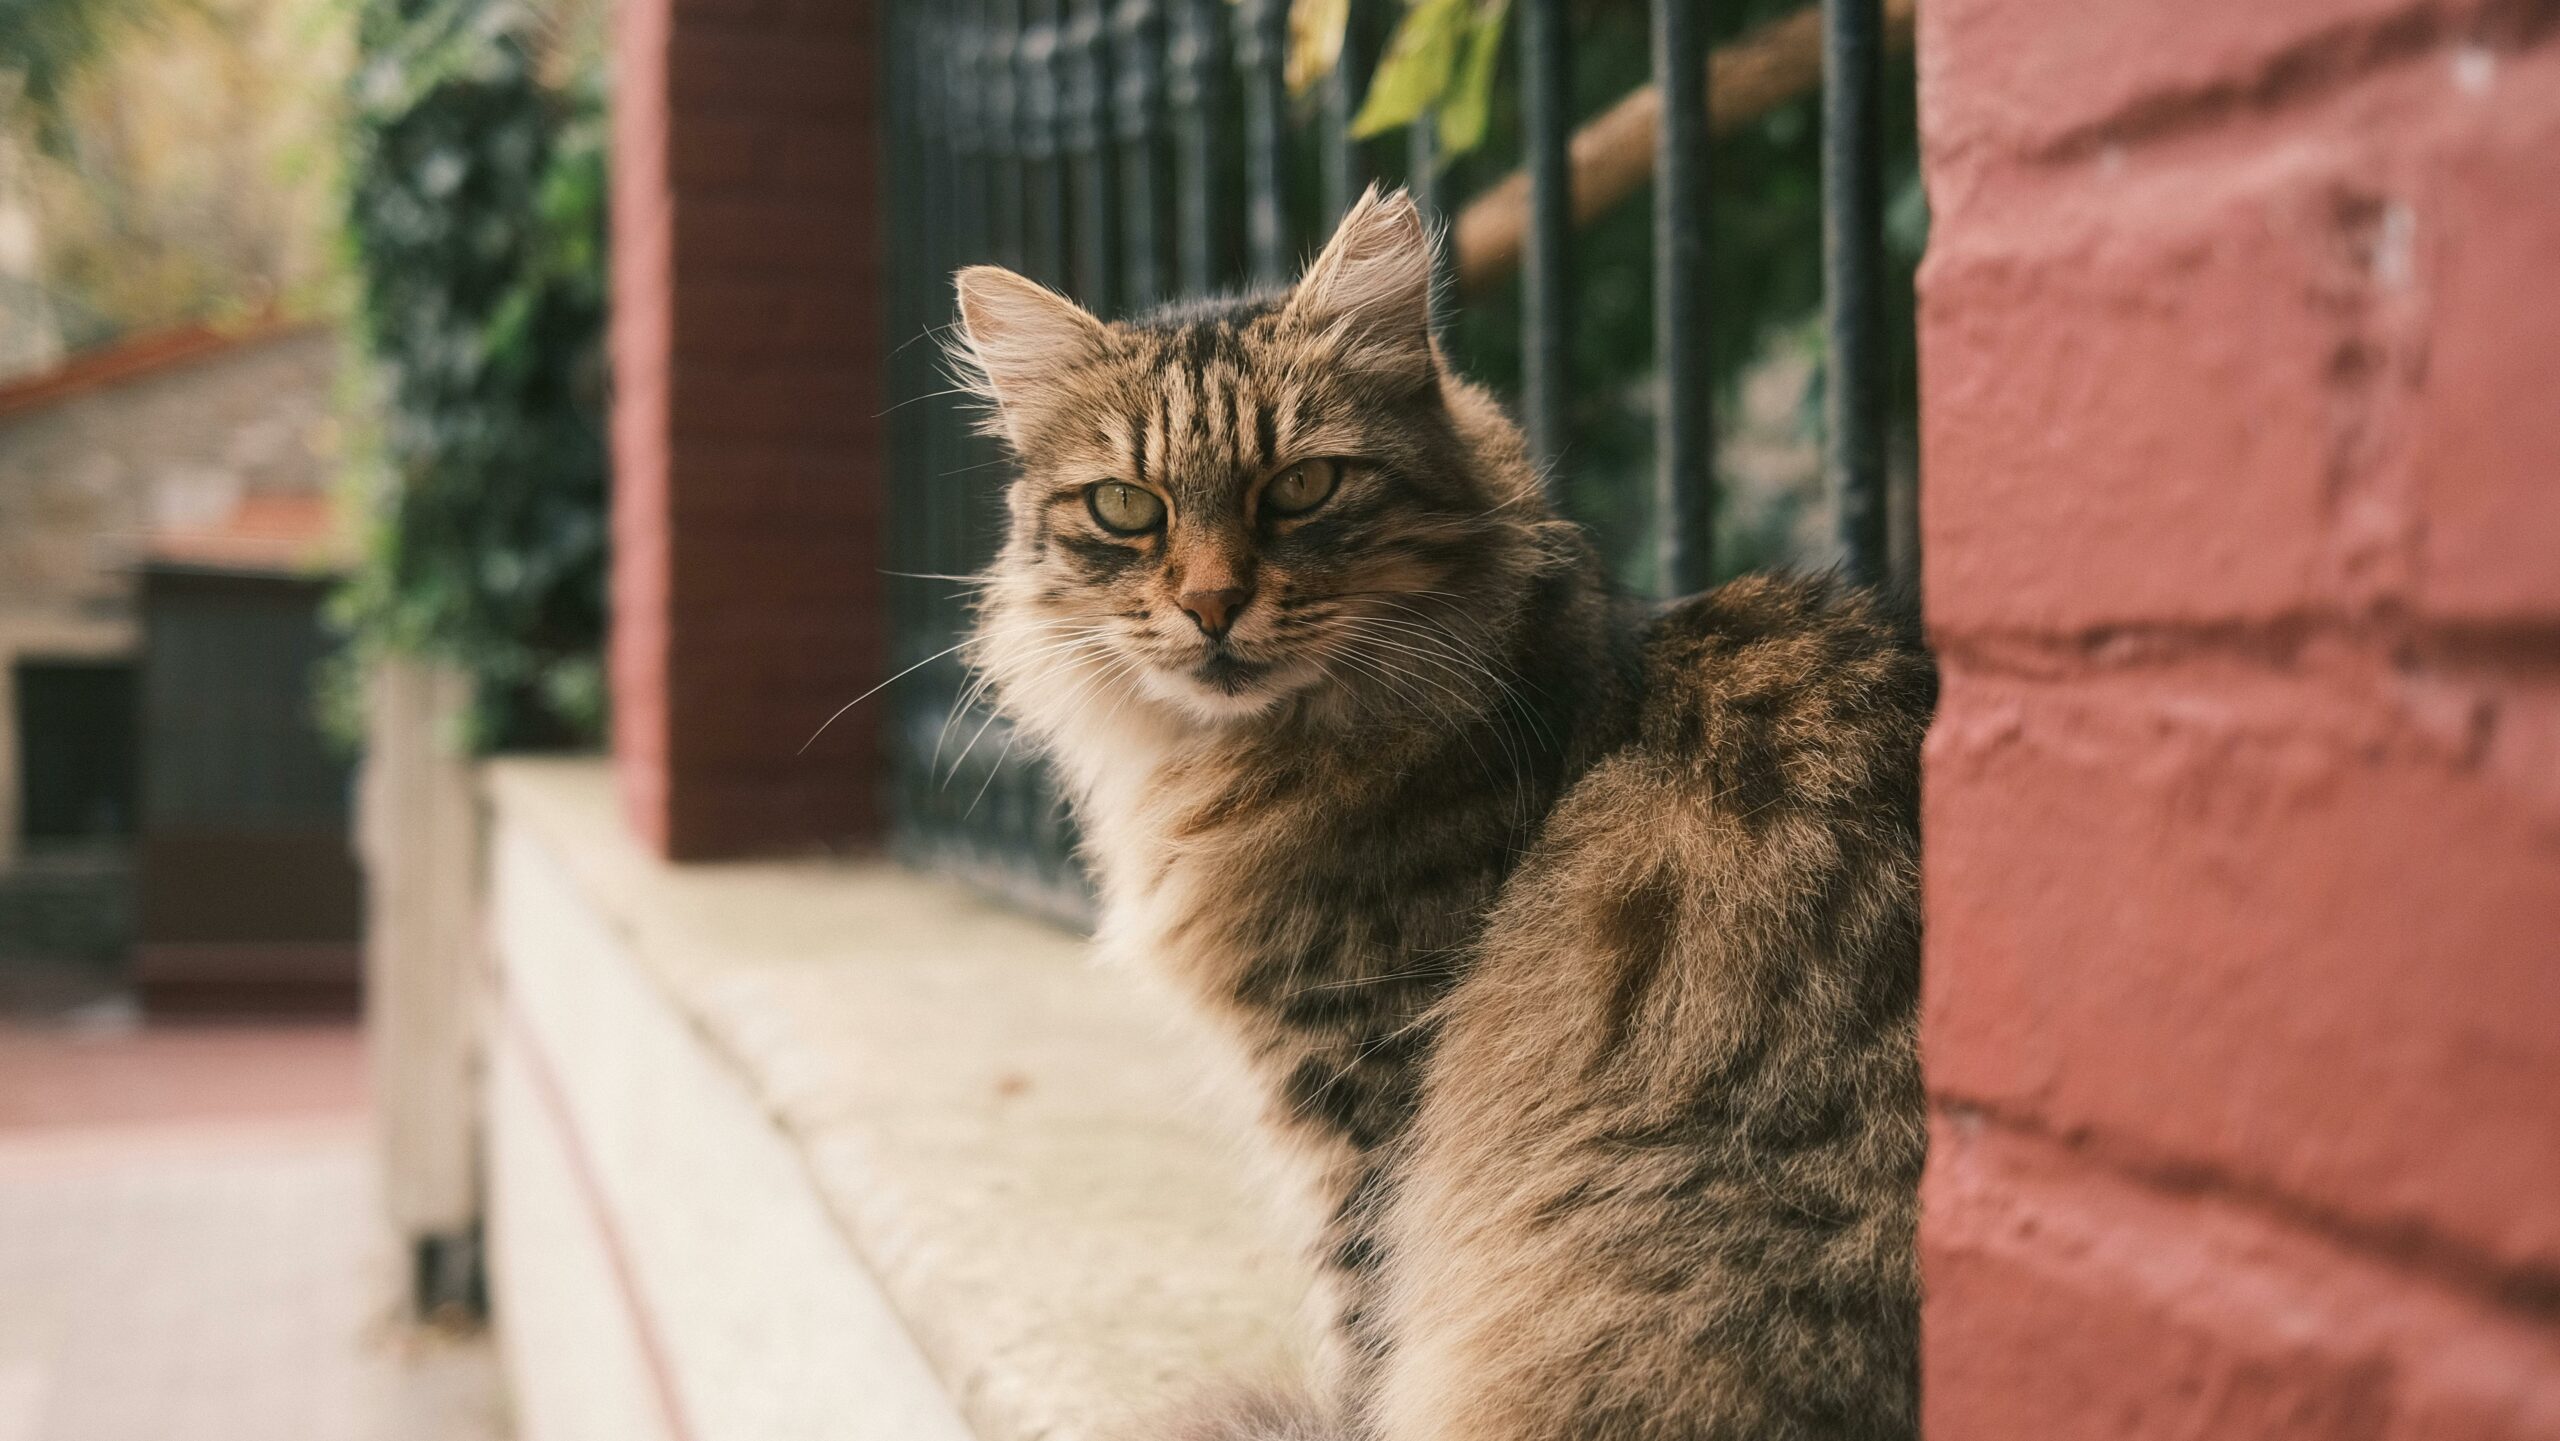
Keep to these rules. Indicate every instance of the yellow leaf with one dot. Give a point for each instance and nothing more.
(1315, 40)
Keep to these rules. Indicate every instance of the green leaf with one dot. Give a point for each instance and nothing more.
(1466, 108)
(1415, 71)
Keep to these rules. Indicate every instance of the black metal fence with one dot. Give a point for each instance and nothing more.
(1132, 151)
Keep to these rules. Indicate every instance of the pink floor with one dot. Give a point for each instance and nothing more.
(191, 1248)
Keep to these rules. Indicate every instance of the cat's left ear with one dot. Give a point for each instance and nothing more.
(1020, 336)
(1372, 286)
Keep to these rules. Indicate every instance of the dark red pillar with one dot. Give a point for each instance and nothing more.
(747, 435)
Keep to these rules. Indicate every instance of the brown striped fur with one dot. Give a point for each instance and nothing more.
(1573, 944)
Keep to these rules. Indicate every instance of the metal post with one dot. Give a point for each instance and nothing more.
(1261, 47)
(965, 193)
(1422, 178)
(1041, 55)
(1684, 477)
(1344, 170)
(1853, 279)
(1546, 294)
(1086, 114)
(1138, 108)
(1199, 102)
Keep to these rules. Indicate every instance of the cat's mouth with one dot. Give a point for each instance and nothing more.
(1218, 684)
(1229, 674)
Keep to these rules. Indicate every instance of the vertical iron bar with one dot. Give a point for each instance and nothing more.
(994, 816)
(901, 301)
(965, 191)
(1199, 103)
(911, 296)
(956, 196)
(915, 293)
(963, 115)
(1007, 190)
(1546, 294)
(1684, 467)
(1261, 46)
(1853, 279)
(1087, 116)
(1044, 174)
(1344, 169)
(1138, 33)
(1422, 179)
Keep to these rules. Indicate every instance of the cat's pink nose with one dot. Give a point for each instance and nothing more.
(1215, 610)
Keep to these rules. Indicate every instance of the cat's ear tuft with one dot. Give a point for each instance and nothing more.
(1372, 286)
(1017, 338)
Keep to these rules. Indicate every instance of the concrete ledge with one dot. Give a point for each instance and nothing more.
(813, 1148)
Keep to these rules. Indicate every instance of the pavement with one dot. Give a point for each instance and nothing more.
(191, 1248)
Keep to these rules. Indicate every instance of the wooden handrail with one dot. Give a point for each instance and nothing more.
(1613, 154)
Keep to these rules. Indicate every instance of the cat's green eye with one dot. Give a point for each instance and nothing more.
(1124, 509)
(1302, 487)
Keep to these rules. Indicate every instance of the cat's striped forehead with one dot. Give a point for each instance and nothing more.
(1198, 407)
(1214, 405)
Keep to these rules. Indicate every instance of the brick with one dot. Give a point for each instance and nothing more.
(2019, 78)
(739, 72)
(2300, 932)
(2132, 413)
(720, 566)
(790, 235)
(2064, 1301)
(788, 485)
(2488, 420)
(849, 22)
(799, 638)
(759, 663)
(729, 745)
(714, 152)
(751, 320)
(839, 404)
(723, 744)
(827, 163)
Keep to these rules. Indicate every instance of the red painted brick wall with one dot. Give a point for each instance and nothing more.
(747, 440)
(2241, 369)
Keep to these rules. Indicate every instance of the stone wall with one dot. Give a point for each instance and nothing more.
(158, 436)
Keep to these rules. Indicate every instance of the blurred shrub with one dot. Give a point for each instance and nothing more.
(475, 222)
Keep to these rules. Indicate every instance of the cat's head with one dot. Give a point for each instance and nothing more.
(1234, 510)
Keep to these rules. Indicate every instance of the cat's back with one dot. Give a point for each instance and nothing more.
(1753, 836)
(1755, 801)
(1786, 694)
(1674, 1118)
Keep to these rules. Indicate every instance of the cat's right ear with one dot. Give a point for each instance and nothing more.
(1017, 338)
(1371, 288)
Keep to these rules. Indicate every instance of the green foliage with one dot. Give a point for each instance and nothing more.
(475, 221)
(1441, 60)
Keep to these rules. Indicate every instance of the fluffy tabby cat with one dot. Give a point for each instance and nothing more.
(1574, 942)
